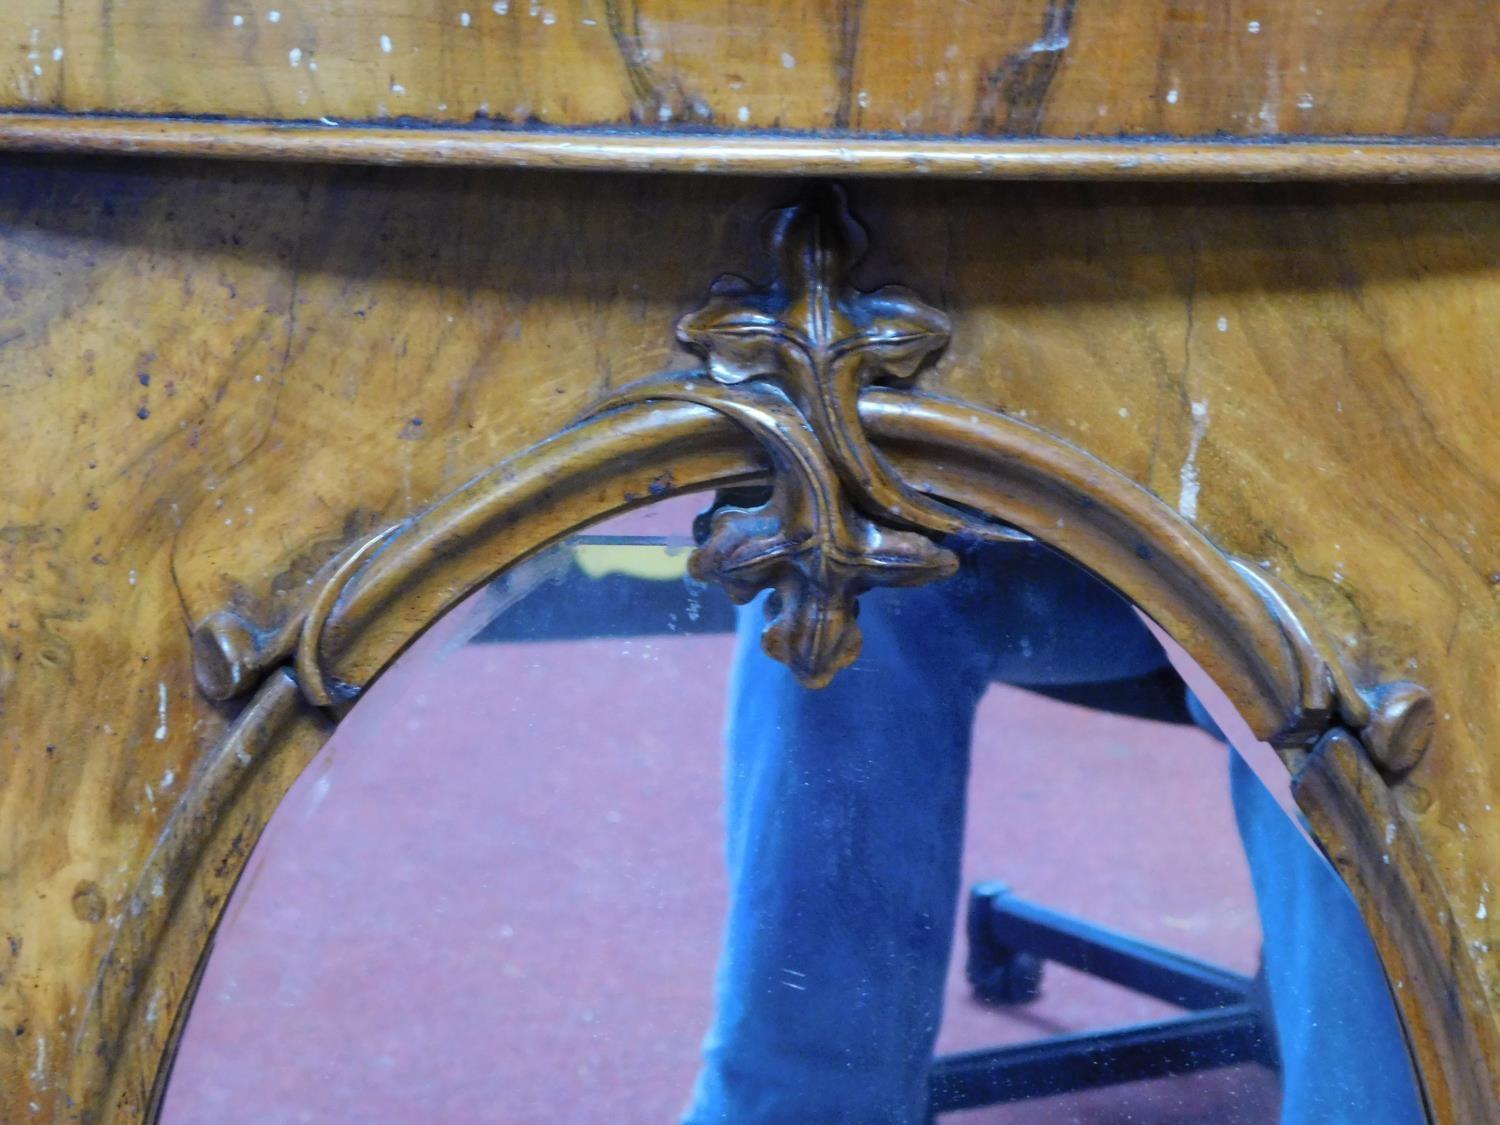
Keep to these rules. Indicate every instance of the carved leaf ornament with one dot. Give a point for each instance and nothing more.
(788, 360)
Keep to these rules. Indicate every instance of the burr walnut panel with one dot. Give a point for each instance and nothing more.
(1053, 68)
(215, 378)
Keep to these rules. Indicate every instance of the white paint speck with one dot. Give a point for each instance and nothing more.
(238, 21)
(36, 69)
(242, 756)
(167, 779)
(132, 578)
(1390, 833)
(274, 16)
(1223, 324)
(39, 1072)
(161, 712)
(57, 54)
(664, 113)
(385, 44)
(157, 887)
(500, 7)
(1172, 96)
(1253, 27)
(788, 61)
(397, 89)
(1483, 912)
(744, 114)
(1305, 101)
(294, 56)
(464, 19)
(863, 99)
(548, 18)
(590, 23)
(1187, 498)
(1124, 412)
(312, 64)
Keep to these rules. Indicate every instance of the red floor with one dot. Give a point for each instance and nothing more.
(497, 894)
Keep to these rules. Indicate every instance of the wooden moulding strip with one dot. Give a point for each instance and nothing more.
(1333, 159)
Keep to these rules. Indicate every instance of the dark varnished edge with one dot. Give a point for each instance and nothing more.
(1329, 159)
(1359, 823)
(135, 1011)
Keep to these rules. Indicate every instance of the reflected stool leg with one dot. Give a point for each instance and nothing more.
(1225, 1026)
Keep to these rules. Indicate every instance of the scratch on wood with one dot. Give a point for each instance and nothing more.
(1013, 95)
(851, 14)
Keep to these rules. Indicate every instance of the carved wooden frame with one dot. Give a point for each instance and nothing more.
(865, 473)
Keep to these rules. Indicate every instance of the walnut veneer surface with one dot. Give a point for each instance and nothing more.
(1268, 412)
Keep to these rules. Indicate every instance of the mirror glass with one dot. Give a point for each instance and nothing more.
(584, 854)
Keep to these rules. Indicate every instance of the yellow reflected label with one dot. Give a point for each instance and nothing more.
(635, 560)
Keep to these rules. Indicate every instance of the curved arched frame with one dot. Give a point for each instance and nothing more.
(376, 601)
(788, 401)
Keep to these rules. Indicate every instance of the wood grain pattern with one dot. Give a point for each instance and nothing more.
(1057, 68)
(220, 376)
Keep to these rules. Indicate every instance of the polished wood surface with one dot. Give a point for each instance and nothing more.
(218, 377)
(1056, 68)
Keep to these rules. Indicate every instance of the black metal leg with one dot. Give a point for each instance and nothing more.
(997, 972)
(1086, 1061)
(1000, 921)
(1010, 938)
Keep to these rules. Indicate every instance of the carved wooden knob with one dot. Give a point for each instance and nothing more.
(1402, 719)
(225, 655)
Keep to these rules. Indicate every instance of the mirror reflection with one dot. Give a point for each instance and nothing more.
(587, 854)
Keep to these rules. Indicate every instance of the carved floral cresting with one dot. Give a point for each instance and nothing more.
(821, 341)
(788, 360)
